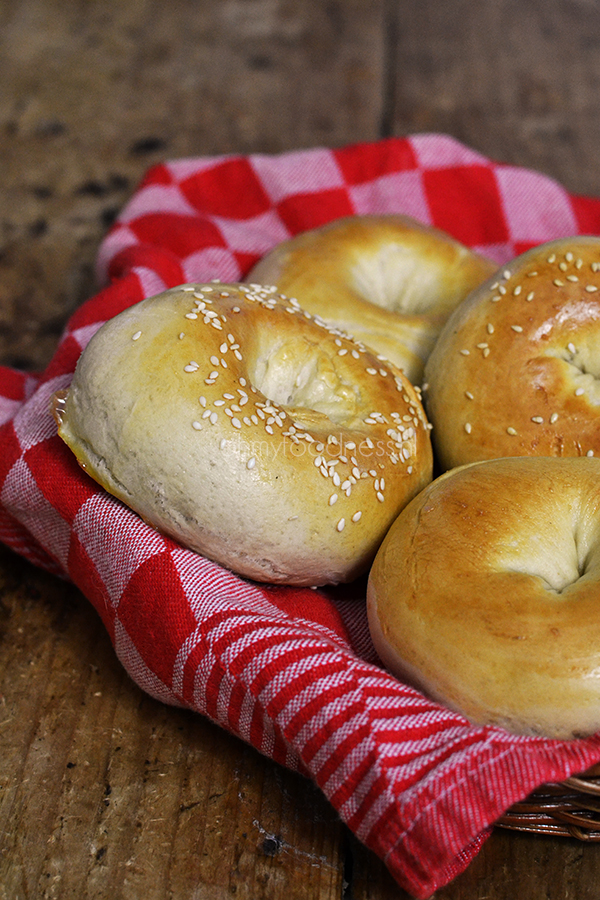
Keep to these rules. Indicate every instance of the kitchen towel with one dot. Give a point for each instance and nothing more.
(292, 671)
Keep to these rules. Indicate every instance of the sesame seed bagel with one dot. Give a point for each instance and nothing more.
(484, 594)
(233, 421)
(515, 370)
(388, 280)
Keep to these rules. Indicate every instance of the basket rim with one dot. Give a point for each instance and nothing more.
(568, 808)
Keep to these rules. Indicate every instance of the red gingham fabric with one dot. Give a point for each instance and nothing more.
(292, 671)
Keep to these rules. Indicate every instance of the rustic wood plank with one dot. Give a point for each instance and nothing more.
(104, 791)
(518, 81)
(94, 93)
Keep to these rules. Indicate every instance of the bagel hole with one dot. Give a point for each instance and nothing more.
(561, 567)
(300, 373)
(582, 368)
(395, 278)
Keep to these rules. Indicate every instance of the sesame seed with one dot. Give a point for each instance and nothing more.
(380, 497)
(511, 430)
(213, 418)
(465, 352)
(197, 426)
(191, 315)
(538, 419)
(136, 336)
(357, 515)
(517, 290)
(341, 524)
(571, 347)
(558, 282)
(333, 499)
(191, 367)
(468, 427)
(554, 418)
(236, 422)
(202, 401)
(579, 392)
(591, 288)
(490, 328)
(251, 462)
(517, 328)
(468, 395)
(530, 296)
(590, 453)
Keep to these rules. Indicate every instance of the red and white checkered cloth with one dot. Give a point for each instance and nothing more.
(292, 671)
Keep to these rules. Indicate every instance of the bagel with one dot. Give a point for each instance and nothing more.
(388, 280)
(485, 592)
(515, 370)
(232, 420)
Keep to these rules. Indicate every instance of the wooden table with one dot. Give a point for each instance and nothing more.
(103, 791)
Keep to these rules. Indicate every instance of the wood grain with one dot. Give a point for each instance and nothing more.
(105, 792)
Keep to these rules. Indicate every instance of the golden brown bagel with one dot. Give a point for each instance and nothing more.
(388, 280)
(485, 594)
(515, 369)
(232, 420)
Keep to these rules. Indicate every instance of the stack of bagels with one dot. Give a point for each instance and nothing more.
(378, 398)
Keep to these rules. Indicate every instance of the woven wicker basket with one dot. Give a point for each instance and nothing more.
(570, 808)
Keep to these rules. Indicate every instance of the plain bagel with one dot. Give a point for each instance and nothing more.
(388, 280)
(515, 370)
(232, 420)
(485, 594)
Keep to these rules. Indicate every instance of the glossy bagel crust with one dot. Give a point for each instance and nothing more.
(515, 370)
(486, 590)
(388, 280)
(232, 420)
